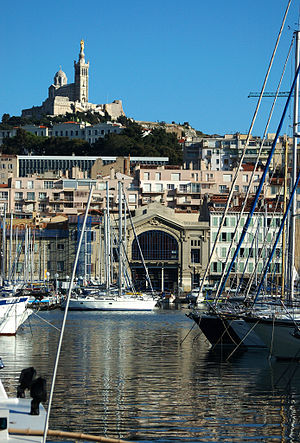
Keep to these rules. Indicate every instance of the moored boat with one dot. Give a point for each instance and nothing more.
(14, 311)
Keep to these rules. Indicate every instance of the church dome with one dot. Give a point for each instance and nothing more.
(60, 78)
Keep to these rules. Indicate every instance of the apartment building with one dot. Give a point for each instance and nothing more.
(28, 197)
(222, 153)
(255, 249)
(183, 189)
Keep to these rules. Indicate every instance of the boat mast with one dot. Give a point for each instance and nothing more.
(120, 239)
(10, 246)
(107, 243)
(294, 171)
(3, 245)
(283, 271)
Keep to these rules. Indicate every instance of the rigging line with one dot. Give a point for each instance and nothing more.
(263, 177)
(262, 249)
(248, 258)
(226, 330)
(277, 238)
(139, 246)
(65, 314)
(241, 342)
(180, 344)
(256, 165)
(278, 235)
(244, 150)
(47, 322)
(126, 261)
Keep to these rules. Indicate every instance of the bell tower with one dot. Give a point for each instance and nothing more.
(81, 77)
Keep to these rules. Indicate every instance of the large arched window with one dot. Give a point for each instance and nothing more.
(155, 245)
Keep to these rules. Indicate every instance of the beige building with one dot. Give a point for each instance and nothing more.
(175, 248)
(29, 197)
(183, 189)
(9, 167)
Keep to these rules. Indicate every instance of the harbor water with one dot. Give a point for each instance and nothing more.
(150, 377)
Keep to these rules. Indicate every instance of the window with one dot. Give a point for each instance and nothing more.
(42, 195)
(132, 198)
(159, 187)
(223, 236)
(18, 184)
(183, 188)
(245, 178)
(175, 177)
(42, 207)
(146, 175)
(223, 252)
(155, 245)
(18, 207)
(214, 267)
(60, 246)
(18, 195)
(30, 184)
(245, 189)
(196, 187)
(223, 188)
(158, 176)
(195, 255)
(60, 266)
(170, 186)
(147, 187)
(30, 196)
(227, 178)
(48, 184)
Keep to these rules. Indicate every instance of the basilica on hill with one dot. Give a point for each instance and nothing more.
(73, 97)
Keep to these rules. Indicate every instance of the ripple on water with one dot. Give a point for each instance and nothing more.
(141, 377)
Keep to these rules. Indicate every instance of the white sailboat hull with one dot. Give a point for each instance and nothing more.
(13, 313)
(111, 304)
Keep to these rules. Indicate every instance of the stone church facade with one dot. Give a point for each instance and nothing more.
(73, 97)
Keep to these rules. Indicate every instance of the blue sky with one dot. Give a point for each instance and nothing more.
(191, 60)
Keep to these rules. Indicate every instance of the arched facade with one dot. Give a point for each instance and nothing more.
(155, 245)
(175, 249)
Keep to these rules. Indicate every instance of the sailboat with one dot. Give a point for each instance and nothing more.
(237, 325)
(280, 330)
(14, 309)
(120, 298)
(24, 419)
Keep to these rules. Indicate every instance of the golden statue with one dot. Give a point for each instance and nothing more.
(81, 45)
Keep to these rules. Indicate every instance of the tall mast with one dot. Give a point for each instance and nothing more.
(283, 270)
(120, 239)
(294, 170)
(3, 246)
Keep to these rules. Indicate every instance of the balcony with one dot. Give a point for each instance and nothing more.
(152, 192)
(66, 198)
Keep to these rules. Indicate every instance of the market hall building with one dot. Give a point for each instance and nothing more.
(175, 247)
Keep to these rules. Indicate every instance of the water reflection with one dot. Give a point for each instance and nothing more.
(129, 376)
